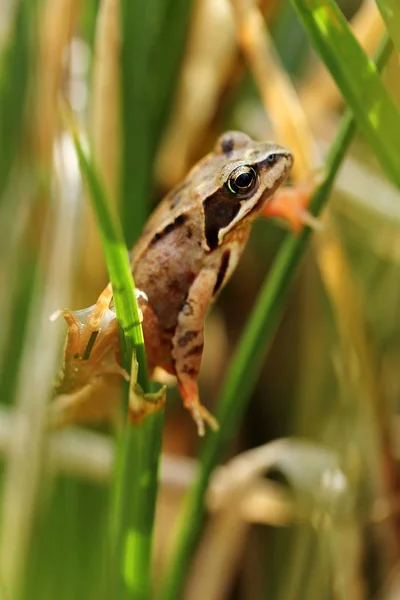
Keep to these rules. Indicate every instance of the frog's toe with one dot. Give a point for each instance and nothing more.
(201, 416)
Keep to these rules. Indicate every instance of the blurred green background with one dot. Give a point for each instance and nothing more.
(151, 85)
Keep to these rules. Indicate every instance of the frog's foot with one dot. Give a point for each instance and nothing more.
(92, 347)
(290, 204)
(200, 414)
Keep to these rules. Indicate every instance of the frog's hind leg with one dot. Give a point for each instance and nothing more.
(158, 345)
(187, 346)
(189, 392)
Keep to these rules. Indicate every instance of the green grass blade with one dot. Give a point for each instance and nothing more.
(248, 359)
(390, 11)
(138, 449)
(14, 71)
(153, 33)
(135, 20)
(172, 36)
(375, 112)
(116, 257)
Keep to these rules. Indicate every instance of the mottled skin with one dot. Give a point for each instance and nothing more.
(186, 254)
(190, 247)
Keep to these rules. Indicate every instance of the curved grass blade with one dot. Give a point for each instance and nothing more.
(390, 11)
(356, 75)
(248, 359)
(116, 258)
(138, 449)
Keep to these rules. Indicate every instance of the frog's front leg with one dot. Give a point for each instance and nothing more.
(187, 346)
(290, 204)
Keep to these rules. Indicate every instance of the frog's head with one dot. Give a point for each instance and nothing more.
(246, 173)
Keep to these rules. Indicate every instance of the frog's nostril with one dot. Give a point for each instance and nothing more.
(290, 159)
(271, 159)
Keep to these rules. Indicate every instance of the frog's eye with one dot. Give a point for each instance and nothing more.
(242, 180)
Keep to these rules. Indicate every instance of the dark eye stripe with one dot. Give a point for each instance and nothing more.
(160, 234)
(219, 211)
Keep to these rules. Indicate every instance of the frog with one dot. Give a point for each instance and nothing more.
(186, 254)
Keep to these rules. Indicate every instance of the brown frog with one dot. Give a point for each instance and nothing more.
(188, 250)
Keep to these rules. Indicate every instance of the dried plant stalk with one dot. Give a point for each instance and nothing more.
(210, 57)
(105, 96)
(277, 92)
(358, 372)
(218, 558)
(57, 26)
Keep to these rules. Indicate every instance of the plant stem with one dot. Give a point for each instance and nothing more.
(135, 490)
(249, 358)
(135, 483)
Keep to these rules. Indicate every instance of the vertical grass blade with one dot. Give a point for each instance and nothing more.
(390, 11)
(14, 71)
(138, 450)
(116, 256)
(152, 40)
(135, 26)
(172, 36)
(356, 75)
(32, 381)
(248, 360)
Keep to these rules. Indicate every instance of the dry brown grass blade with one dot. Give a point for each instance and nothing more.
(89, 455)
(218, 558)
(277, 92)
(348, 313)
(105, 95)
(57, 26)
(357, 371)
(319, 94)
(209, 59)
(260, 501)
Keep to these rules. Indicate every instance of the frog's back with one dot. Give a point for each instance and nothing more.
(169, 254)
(166, 266)
(184, 199)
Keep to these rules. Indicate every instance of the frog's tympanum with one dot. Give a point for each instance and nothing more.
(188, 250)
